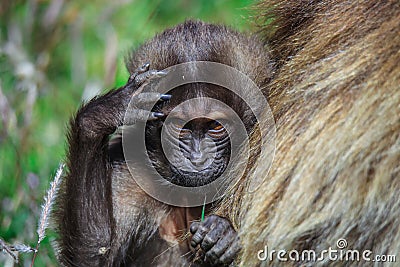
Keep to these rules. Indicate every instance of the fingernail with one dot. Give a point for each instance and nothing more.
(131, 78)
(158, 114)
(165, 97)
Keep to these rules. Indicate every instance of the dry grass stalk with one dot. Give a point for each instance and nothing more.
(47, 207)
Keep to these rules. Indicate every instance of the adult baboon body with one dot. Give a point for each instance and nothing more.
(336, 102)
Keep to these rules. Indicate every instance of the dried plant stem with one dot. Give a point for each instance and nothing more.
(19, 248)
(7, 249)
(47, 207)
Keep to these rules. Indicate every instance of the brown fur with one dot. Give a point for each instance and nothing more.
(204, 42)
(103, 217)
(336, 102)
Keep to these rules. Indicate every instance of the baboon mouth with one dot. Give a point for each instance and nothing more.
(195, 179)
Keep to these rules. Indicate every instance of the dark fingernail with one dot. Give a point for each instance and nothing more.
(194, 227)
(196, 239)
(131, 78)
(158, 114)
(165, 97)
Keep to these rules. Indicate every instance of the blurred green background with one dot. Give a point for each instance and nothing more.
(53, 55)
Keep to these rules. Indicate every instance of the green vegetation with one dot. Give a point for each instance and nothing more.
(53, 54)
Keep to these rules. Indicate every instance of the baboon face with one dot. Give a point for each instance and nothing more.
(197, 134)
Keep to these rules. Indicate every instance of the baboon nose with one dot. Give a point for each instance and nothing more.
(198, 158)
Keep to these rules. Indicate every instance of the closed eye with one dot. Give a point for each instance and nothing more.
(216, 128)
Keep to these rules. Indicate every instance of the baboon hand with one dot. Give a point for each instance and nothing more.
(134, 87)
(217, 239)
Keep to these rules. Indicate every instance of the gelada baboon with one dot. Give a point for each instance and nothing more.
(336, 101)
(104, 217)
